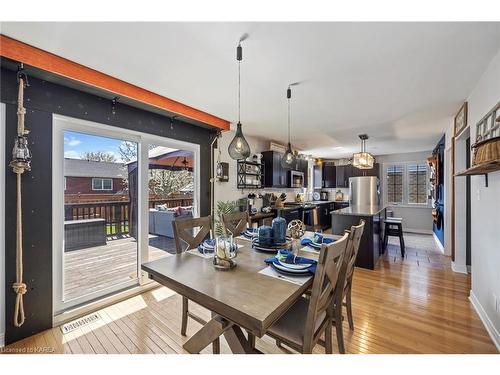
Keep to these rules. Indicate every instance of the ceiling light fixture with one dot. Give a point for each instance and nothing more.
(239, 148)
(289, 159)
(363, 159)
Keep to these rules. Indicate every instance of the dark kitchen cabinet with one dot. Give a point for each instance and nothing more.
(291, 214)
(274, 174)
(343, 172)
(329, 175)
(324, 216)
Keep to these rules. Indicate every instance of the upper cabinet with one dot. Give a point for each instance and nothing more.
(274, 174)
(329, 175)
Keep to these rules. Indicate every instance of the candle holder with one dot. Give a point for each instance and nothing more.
(225, 252)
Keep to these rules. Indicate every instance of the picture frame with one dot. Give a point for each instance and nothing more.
(461, 119)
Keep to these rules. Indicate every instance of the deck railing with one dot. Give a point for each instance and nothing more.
(116, 214)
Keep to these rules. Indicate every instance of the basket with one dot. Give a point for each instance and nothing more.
(486, 151)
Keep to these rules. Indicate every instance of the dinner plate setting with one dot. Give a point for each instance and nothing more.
(288, 264)
(208, 246)
(250, 233)
(257, 245)
(316, 241)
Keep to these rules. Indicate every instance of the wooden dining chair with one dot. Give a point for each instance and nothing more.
(236, 222)
(317, 309)
(184, 234)
(344, 284)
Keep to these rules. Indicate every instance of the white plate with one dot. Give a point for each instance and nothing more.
(316, 196)
(294, 266)
(291, 270)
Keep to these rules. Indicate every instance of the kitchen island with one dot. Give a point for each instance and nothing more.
(371, 245)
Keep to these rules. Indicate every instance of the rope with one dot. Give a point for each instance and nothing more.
(19, 287)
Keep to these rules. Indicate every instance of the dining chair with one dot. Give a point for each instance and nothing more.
(236, 222)
(344, 284)
(184, 234)
(317, 309)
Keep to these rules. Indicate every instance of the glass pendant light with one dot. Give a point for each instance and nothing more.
(289, 159)
(363, 159)
(239, 148)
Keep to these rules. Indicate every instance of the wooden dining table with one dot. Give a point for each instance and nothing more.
(240, 298)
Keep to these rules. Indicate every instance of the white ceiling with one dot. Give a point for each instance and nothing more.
(398, 82)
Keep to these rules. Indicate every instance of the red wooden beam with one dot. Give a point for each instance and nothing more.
(38, 58)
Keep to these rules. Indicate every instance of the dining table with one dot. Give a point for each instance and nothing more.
(242, 298)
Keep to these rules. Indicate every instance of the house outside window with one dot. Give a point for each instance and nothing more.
(406, 183)
(102, 184)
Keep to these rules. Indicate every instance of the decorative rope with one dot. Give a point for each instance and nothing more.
(19, 168)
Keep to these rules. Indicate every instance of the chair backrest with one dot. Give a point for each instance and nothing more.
(325, 280)
(235, 222)
(355, 239)
(184, 229)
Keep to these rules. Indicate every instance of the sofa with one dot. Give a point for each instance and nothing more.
(160, 219)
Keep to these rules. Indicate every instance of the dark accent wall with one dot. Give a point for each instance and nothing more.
(42, 99)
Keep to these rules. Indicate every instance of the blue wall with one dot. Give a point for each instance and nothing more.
(439, 202)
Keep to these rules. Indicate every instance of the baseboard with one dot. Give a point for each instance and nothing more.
(460, 268)
(2, 340)
(492, 331)
(418, 231)
(440, 245)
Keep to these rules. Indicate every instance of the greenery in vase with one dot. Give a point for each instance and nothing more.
(223, 207)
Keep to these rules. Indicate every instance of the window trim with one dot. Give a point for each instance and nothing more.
(406, 186)
(102, 183)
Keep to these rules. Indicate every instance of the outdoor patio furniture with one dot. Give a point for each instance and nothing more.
(160, 222)
(80, 234)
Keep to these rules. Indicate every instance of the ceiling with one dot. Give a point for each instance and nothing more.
(401, 83)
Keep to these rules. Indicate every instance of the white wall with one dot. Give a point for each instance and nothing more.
(485, 211)
(418, 219)
(2, 223)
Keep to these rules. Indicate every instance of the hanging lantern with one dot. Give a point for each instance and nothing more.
(289, 159)
(363, 159)
(239, 148)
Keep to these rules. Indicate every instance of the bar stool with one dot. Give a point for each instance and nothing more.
(394, 227)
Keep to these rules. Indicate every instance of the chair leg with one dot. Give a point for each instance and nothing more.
(401, 241)
(349, 307)
(184, 316)
(386, 238)
(338, 327)
(328, 338)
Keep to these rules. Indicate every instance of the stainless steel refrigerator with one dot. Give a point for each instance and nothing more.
(364, 191)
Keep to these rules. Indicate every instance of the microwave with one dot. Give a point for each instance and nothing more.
(295, 179)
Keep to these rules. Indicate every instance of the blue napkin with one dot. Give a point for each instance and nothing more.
(289, 259)
(316, 241)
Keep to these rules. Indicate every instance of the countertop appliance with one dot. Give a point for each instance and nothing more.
(295, 179)
(324, 196)
(364, 191)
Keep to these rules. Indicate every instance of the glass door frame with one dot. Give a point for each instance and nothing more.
(143, 140)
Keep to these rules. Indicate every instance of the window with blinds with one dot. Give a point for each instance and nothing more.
(395, 184)
(417, 183)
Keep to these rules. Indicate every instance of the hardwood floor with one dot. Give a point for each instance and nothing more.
(411, 305)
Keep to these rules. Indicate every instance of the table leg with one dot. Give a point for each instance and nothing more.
(207, 334)
(237, 341)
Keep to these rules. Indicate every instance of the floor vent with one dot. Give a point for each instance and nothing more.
(81, 322)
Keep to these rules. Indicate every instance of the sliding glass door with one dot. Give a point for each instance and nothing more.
(115, 195)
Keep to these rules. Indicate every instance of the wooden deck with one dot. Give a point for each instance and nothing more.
(414, 304)
(96, 268)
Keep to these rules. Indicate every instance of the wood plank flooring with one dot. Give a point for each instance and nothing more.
(99, 267)
(414, 304)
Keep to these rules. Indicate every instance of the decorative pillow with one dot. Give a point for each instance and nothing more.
(161, 207)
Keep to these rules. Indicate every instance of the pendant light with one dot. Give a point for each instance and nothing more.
(289, 159)
(238, 148)
(363, 159)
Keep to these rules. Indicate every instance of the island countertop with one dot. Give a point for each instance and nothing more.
(359, 210)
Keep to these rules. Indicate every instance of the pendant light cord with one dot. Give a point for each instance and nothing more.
(239, 91)
(289, 113)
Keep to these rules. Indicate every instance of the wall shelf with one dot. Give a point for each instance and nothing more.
(250, 175)
(482, 169)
